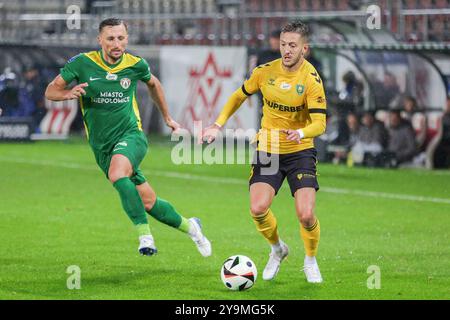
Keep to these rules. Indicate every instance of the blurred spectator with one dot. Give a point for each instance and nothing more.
(337, 130)
(273, 52)
(351, 96)
(372, 131)
(391, 94)
(387, 92)
(440, 146)
(341, 146)
(32, 91)
(309, 55)
(9, 93)
(409, 107)
(402, 140)
(353, 128)
(417, 119)
(371, 139)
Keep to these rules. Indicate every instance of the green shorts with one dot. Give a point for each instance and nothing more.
(133, 146)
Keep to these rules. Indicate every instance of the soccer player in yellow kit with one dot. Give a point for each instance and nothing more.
(294, 112)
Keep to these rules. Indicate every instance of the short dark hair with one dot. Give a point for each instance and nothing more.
(111, 22)
(298, 27)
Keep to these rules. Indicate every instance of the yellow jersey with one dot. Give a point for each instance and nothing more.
(292, 100)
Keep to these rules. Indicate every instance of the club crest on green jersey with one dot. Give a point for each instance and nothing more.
(111, 76)
(125, 83)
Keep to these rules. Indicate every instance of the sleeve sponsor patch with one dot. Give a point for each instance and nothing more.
(73, 58)
(320, 100)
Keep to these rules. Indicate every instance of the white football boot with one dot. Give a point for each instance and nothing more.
(275, 259)
(202, 243)
(147, 245)
(312, 271)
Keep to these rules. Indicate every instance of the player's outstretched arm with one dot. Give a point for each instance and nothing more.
(210, 133)
(157, 93)
(56, 90)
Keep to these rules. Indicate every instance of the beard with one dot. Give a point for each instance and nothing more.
(293, 61)
(113, 57)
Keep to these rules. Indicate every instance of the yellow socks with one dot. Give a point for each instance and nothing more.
(311, 237)
(267, 225)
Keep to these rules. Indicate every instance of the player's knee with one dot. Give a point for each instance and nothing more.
(308, 222)
(258, 208)
(150, 202)
(114, 175)
(306, 216)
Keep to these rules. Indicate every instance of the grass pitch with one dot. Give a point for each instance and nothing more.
(58, 210)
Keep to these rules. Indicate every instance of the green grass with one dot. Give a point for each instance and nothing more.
(57, 210)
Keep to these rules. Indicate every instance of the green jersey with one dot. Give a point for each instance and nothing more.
(109, 107)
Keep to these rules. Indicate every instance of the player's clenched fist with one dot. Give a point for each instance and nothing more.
(294, 135)
(209, 134)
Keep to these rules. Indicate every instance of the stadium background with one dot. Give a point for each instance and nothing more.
(409, 55)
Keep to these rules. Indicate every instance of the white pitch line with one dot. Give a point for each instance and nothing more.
(188, 176)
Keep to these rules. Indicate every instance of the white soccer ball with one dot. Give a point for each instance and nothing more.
(238, 273)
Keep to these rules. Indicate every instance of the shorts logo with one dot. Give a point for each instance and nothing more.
(125, 83)
(123, 143)
(305, 175)
(300, 89)
(111, 76)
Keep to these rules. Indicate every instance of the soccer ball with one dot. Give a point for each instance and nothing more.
(238, 273)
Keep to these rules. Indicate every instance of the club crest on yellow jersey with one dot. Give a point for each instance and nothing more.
(300, 89)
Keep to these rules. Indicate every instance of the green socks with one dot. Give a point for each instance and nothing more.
(184, 226)
(143, 229)
(164, 212)
(131, 201)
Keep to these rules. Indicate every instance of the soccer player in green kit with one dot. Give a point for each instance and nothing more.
(107, 81)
